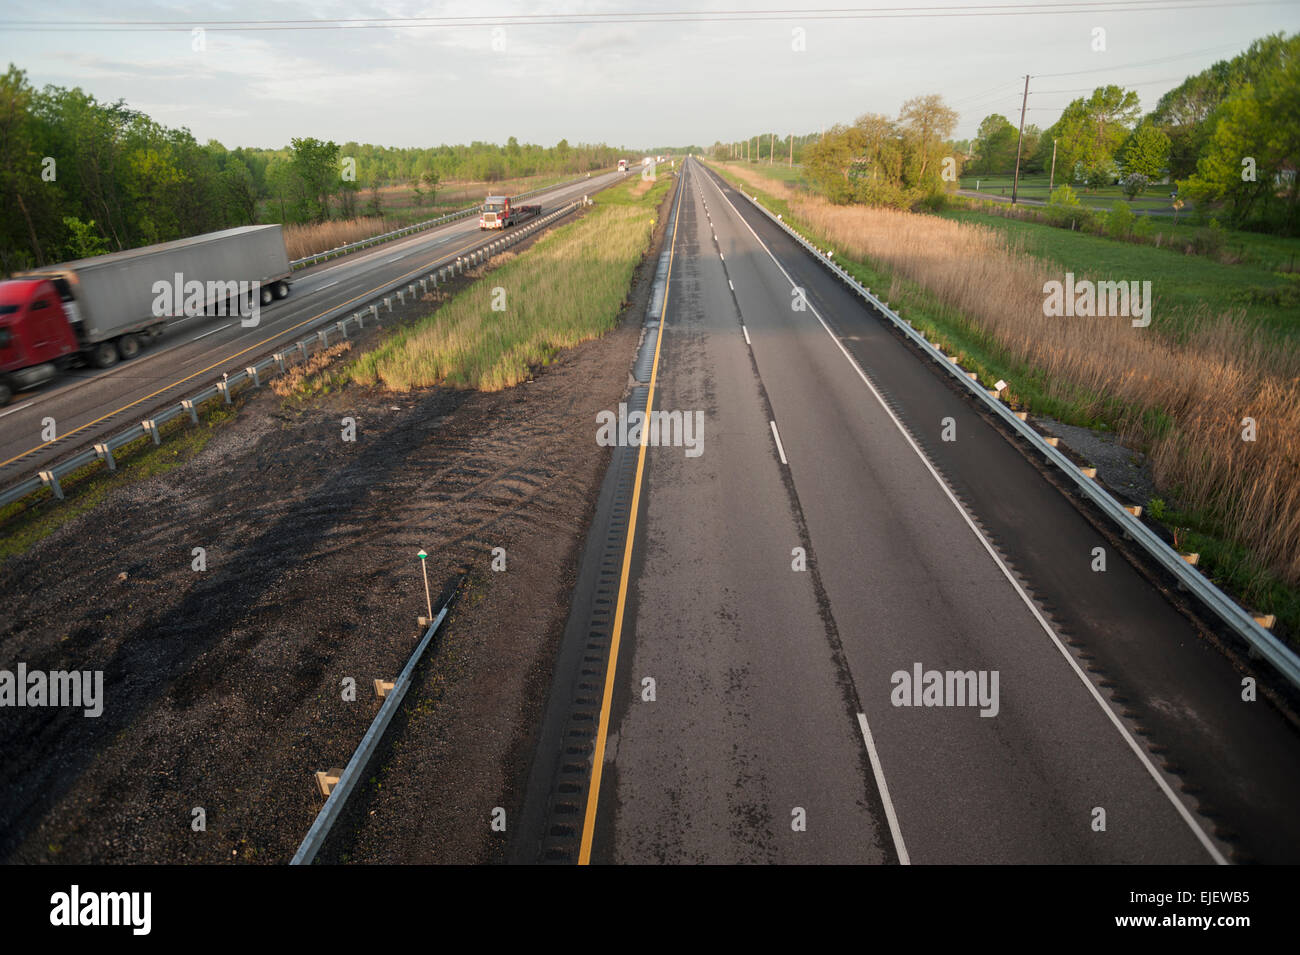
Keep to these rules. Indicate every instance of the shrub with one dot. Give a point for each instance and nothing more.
(1134, 184)
(1119, 221)
(934, 202)
(1209, 240)
(1065, 197)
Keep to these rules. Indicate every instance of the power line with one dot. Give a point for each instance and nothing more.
(1152, 62)
(679, 16)
(971, 97)
(1089, 89)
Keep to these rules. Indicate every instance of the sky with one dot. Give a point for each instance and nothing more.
(482, 71)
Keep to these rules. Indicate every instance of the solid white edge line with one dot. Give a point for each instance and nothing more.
(746, 331)
(894, 829)
(779, 449)
(16, 408)
(1164, 786)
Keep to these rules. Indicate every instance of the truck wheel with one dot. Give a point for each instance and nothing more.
(128, 346)
(5, 392)
(281, 289)
(267, 295)
(104, 355)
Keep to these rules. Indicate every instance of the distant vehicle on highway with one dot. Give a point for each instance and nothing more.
(499, 212)
(622, 165)
(106, 308)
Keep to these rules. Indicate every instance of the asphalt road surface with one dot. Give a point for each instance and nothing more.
(88, 403)
(779, 730)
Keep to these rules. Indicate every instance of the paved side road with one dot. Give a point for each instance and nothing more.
(795, 713)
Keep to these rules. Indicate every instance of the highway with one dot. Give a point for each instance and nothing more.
(794, 718)
(88, 403)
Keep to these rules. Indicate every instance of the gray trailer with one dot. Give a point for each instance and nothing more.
(118, 302)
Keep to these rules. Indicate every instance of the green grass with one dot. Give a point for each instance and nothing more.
(1035, 187)
(567, 288)
(1273, 253)
(1232, 568)
(1179, 281)
(790, 175)
(26, 522)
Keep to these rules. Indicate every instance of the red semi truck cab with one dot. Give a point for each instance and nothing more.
(499, 212)
(36, 334)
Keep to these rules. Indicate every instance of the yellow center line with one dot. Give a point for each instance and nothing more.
(602, 731)
(228, 358)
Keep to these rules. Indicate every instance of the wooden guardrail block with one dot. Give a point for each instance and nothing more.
(327, 780)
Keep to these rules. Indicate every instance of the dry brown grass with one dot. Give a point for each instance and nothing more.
(302, 378)
(769, 185)
(1219, 373)
(304, 240)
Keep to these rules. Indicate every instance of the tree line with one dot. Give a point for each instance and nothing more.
(1228, 136)
(82, 177)
(877, 159)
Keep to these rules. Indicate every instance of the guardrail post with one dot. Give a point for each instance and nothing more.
(188, 405)
(360, 319)
(388, 303)
(424, 286)
(279, 361)
(257, 379)
(224, 388)
(343, 328)
(151, 429)
(51, 480)
(374, 312)
(106, 455)
(302, 350)
(401, 297)
(323, 336)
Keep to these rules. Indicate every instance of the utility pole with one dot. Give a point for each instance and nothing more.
(771, 148)
(1051, 180)
(1015, 183)
(792, 150)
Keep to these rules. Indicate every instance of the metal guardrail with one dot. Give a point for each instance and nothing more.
(278, 362)
(338, 797)
(1259, 639)
(417, 227)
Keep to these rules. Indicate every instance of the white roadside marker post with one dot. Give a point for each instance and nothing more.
(425, 569)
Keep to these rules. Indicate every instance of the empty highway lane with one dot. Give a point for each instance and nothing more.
(847, 639)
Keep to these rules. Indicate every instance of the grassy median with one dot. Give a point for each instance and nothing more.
(566, 289)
